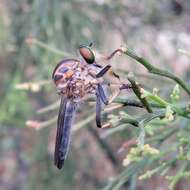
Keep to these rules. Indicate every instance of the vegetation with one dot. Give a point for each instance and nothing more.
(148, 139)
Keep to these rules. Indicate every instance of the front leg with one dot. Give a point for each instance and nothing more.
(103, 71)
(117, 92)
(102, 94)
(107, 67)
(117, 51)
(100, 98)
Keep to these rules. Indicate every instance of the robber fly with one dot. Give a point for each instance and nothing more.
(74, 79)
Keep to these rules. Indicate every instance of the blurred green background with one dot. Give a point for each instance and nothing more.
(155, 29)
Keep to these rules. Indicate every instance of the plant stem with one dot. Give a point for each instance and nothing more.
(34, 41)
(51, 107)
(136, 90)
(180, 111)
(155, 70)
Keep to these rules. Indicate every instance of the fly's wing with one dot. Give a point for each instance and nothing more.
(98, 110)
(65, 117)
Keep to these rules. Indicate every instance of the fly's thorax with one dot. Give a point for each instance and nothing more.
(61, 88)
(78, 87)
(75, 79)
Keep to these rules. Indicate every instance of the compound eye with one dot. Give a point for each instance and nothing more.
(87, 54)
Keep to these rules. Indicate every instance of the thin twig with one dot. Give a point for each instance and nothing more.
(184, 52)
(154, 70)
(137, 90)
(34, 41)
(51, 107)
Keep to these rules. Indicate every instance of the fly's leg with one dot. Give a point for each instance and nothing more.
(98, 111)
(102, 98)
(103, 71)
(117, 92)
(113, 96)
(102, 94)
(97, 65)
(117, 51)
(125, 86)
(107, 67)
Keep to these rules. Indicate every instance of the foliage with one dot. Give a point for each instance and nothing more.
(151, 123)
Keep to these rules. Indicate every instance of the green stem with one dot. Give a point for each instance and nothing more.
(136, 90)
(155, 70)
(49, 122)
(180, 111)
(130, 120)
(34, 41)
(142, 121)
(184, 52)
(178, 176)
(154, 98)
(48, 108)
